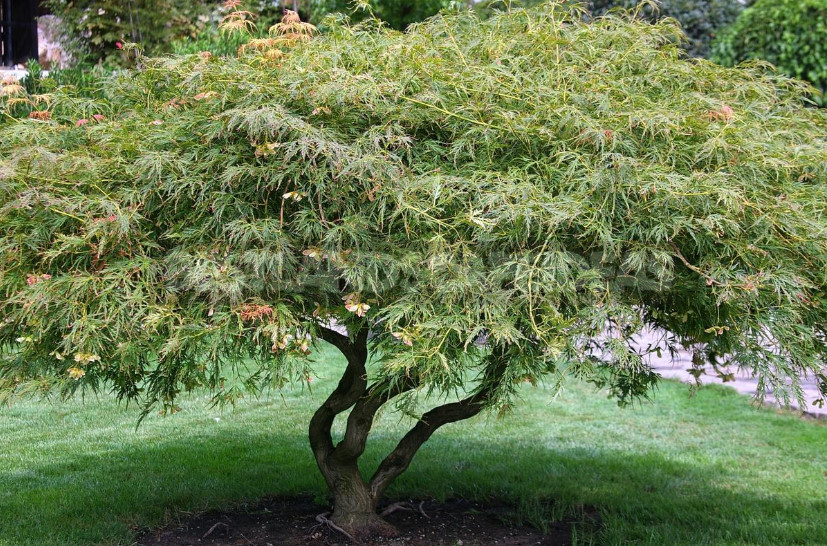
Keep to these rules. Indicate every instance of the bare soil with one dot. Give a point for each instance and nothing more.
(292, 522)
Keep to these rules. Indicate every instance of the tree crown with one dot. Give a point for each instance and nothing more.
(515, 197)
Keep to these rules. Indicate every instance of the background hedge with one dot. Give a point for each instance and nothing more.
(701, 20)
(791, 34)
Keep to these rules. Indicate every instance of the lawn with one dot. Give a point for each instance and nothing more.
(708, 469)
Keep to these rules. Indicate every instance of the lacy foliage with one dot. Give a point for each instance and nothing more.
(531, 185)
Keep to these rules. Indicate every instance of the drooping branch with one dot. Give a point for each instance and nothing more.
(400, 458)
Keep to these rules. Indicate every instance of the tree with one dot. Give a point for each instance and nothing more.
(458, 209)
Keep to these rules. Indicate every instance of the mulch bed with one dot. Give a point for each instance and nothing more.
(292, 522)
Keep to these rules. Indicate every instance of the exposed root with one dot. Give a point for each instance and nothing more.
(403, 506)
(395, 507)
(213, 528)
(324, 520)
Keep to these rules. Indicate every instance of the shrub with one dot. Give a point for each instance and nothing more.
(790, 34)
(476, 204)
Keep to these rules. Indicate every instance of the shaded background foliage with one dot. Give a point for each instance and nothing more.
(94, 27)
(790, 34)
(396, 14)
(701, 20)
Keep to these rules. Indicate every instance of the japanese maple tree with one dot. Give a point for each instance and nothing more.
(458, 209)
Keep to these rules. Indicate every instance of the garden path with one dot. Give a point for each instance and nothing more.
(744, 383)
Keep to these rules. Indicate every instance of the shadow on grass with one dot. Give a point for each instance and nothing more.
(103, 497)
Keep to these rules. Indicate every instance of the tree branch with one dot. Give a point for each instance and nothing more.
(360, 420)
(340, 341)
(350, 388)
(400, 458)
(709, 280)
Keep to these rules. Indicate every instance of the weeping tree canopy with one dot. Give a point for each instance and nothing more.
(476, 204)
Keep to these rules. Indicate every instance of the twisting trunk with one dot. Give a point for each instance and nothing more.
(354, 500)
(354, 508)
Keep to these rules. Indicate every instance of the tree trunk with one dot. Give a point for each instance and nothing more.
(354, 508)
(354, 500)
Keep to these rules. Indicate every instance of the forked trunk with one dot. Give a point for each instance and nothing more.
(354, 500)
(354, 506)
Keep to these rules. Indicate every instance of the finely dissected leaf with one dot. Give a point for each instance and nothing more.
(530, 183)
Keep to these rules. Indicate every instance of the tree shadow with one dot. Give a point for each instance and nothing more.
(105, 496)
(641, 498)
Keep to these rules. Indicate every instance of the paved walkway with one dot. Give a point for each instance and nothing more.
(16, 73)
(677, 369)
(743, 383)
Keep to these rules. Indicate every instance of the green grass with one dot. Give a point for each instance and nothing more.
(707, 469)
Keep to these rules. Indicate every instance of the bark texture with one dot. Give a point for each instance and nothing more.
(355, 500)
(400, 458)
